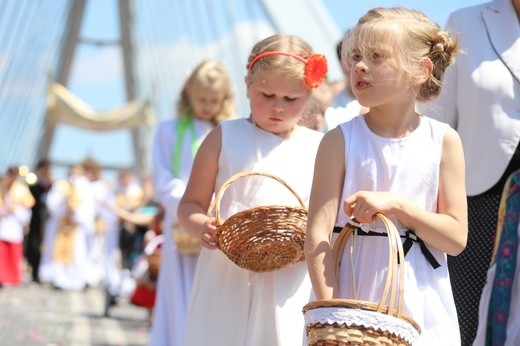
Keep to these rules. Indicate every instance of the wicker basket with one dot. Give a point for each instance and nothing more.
(334, 322)
(185, 243)
(264, 238)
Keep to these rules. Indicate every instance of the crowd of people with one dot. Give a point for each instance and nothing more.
(424, 130)
(73, 233)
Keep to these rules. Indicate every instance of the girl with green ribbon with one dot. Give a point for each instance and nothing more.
(206, 100)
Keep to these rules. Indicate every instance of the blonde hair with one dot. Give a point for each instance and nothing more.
(211, 74)
(407, 36)
(286, 65)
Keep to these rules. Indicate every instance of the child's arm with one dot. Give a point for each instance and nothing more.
(194, 204)
(327, 187)
(132, 217)
(445, 230)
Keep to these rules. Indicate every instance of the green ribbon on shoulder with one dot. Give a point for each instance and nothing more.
(182, 125)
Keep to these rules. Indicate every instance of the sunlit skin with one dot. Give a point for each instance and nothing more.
(392, 115)
(6, 182)
(377, 85)
(206, 101)
(276, 106)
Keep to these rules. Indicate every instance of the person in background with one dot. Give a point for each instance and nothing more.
(481, 102)
(103, 243)
(396, 162)
(149, 218)
(314, 115)
(72, 210)
(147, 205)
(499, 309)
(39, 216)
(237, 306)
(206, 99)
(15, 213)
(129, 195)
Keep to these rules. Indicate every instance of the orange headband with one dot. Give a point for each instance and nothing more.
(315, 66)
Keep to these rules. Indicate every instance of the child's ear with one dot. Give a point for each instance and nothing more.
(424, 71)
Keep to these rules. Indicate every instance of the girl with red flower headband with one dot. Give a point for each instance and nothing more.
(236, 306)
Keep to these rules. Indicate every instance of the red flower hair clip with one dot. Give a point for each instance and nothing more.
(315, 70)
(316, 67)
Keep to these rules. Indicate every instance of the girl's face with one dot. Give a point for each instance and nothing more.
(206, 101)
(276, 101)
(375, 80)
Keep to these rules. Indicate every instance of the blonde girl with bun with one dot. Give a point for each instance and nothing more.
(393, 161)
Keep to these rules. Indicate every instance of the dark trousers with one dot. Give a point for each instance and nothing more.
(468, 271)
(33, 245)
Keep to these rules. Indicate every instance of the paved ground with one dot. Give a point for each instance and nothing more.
(33, 314)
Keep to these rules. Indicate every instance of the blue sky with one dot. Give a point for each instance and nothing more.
(96, 75)
(347, 12)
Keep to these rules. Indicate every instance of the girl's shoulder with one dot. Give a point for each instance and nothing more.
(238, 124)
(434, 124)
(346, 126)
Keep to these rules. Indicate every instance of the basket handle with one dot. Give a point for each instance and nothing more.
(339, 247)
(243, 174)
(395, 260)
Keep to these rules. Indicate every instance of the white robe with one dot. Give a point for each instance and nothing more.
(177, 270)
(104, 259)
(72, 276)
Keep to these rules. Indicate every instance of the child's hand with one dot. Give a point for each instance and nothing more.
(208, 232)
(364, 205)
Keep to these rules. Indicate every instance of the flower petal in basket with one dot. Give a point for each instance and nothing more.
(264, 238)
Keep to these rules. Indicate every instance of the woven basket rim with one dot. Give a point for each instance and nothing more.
(266, 207)
(356, 304)
(243, 174)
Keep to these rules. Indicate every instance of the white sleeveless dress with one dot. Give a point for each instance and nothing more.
(231, 306)
(408, 166)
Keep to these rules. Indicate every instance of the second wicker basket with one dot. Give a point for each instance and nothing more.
(263, 238)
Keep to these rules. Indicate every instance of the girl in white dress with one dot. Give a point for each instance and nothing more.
(16, 202)
(395, 162)
(232, 306)
(206, 99)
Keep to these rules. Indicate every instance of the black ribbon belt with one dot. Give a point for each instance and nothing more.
(409, 239)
